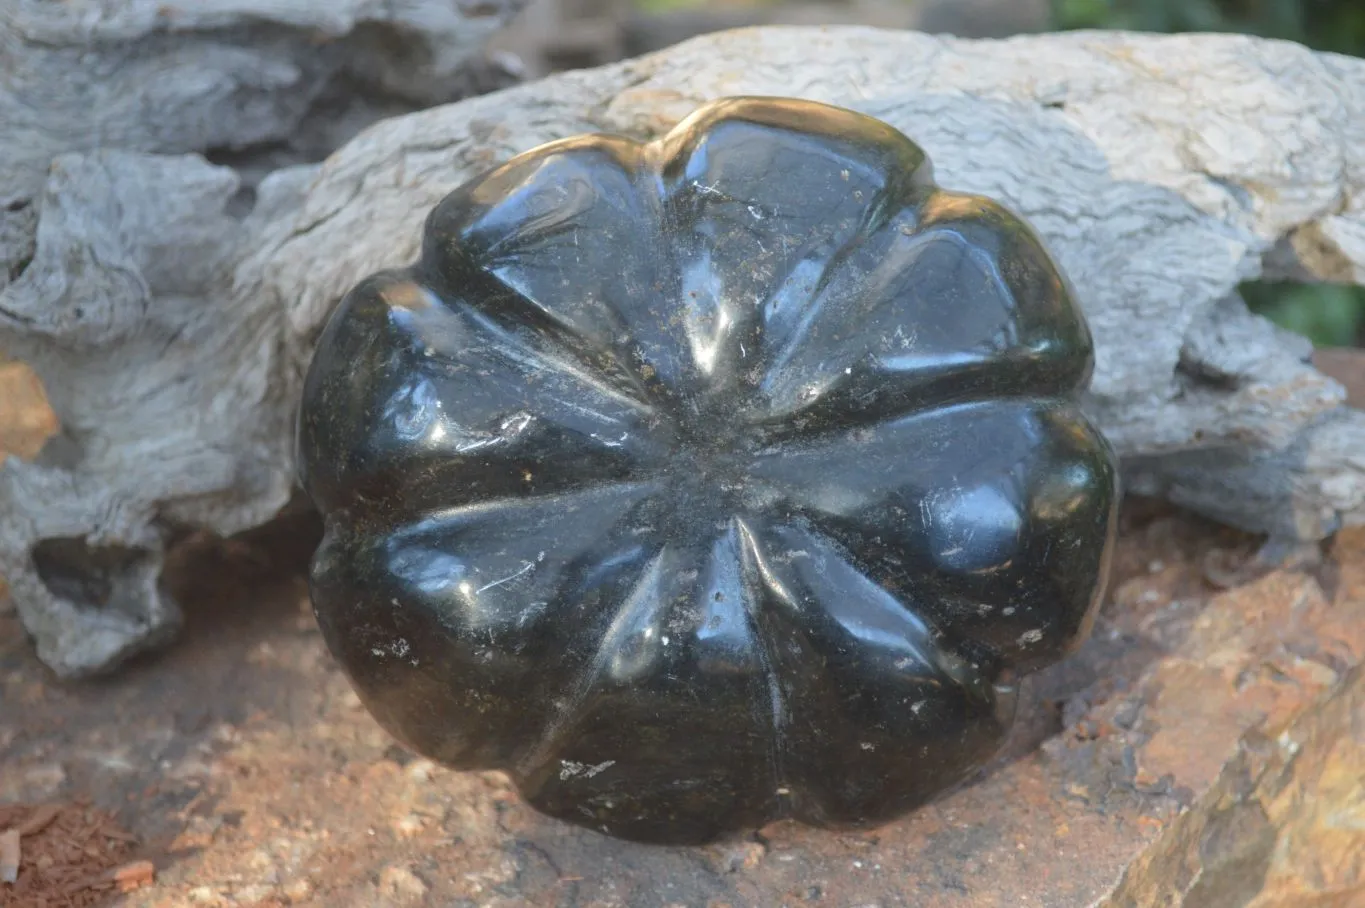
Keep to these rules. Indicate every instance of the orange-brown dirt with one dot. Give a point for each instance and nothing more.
(65, 855)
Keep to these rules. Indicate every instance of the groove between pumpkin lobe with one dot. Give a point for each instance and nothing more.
(643, 617)
(744, 285)
(751, 568)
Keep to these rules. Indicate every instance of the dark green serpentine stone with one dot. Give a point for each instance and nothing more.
(734, 476)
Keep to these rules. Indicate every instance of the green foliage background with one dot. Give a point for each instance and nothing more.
(1328, 314)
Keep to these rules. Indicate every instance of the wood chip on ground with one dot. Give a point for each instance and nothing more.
(9, 856)
(68, 855)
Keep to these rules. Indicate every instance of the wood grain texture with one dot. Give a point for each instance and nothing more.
(171, 330)
(285, 78)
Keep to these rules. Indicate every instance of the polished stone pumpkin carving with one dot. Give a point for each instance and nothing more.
(697, 483)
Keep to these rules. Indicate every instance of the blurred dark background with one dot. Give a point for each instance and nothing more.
(553, 35)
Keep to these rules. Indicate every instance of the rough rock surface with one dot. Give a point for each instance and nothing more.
(26, 418)
(553, 35)
(1205, 748)
(172, 332)
(227, 76)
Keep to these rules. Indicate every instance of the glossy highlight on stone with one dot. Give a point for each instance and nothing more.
(703, 482)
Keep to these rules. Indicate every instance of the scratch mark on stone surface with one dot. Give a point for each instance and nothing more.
(569, 769)
(525, 566)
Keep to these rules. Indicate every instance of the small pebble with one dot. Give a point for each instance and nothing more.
(397, 881)
(254, 894)
(409, 825)
(420, 770)
(298, 890)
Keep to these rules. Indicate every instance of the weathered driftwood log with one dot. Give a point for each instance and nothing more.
(171, 331)
(298, 76)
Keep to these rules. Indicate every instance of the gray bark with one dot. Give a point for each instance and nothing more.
(296, 76)
(172, 332)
